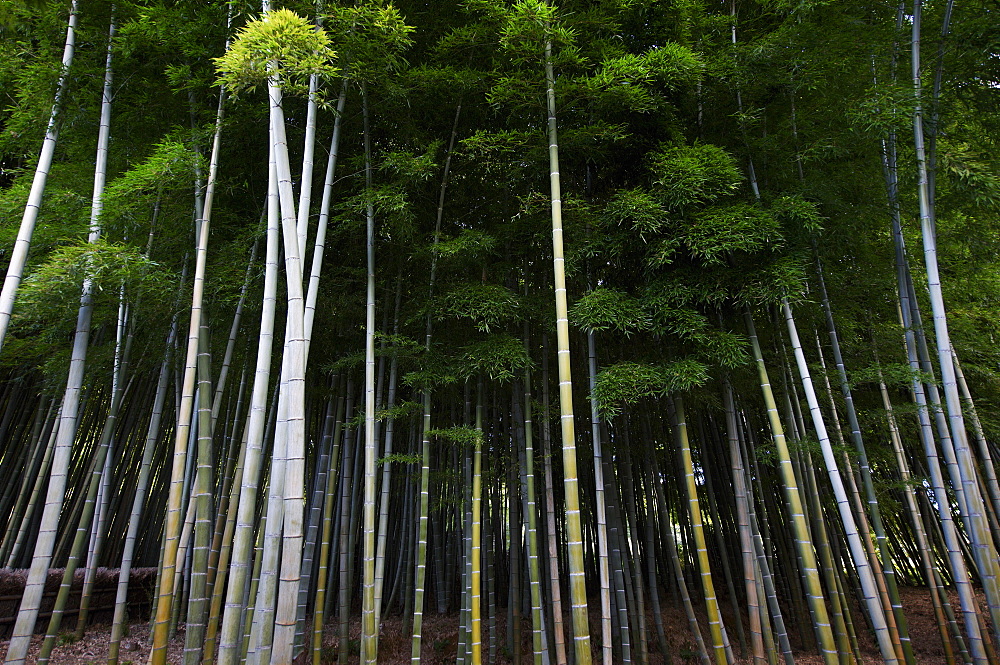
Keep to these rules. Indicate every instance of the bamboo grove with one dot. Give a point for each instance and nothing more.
(540, 317)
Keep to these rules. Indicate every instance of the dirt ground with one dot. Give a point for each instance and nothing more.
(440, 638)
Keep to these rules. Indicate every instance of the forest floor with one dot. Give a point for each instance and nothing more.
(441, 635)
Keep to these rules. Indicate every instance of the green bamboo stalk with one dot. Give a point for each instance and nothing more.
(555, 580)
(344, 541)
(601, 508)
(704, 567)
(231, 630)
(40, 455)
(197, 609)
(887, 644)
(28, 516)
(917, 523)
(19, 254)
(420, 570)
(476, 620)
(319, 605)
(383, 526)
(68, 418)
(574, 527)
(531, 514)
(225, 528)
(984, 550)
(671, 543)
(839, 612)
(793, 500)
(750, 571)
(293, 486)
(632, 521)
(617, 559)
(369, 627)
(165, 591)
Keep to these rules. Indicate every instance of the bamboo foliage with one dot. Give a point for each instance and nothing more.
(387, 463)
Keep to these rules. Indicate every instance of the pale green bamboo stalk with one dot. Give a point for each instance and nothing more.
(885, 583)
(231, 631)
(123, 348)
(793, 500)
(220, 384)
(41, 559)
(308, 152)
(601, 508)
(164, 602)
(152, 436)
(910, 320)
(319, 605)
(750, 571)
(555, 580)
(19, 254)
(711, 601)
(369, 628)
(574, 526)
(420, 570)
(984, 550)
(262, 628)
(98, 529)
(986, 464)
(476, 620)
(949, 532)
(273, 637)
(887, 646)
(82, 536)
(194, 633)
(319, 244)
(319, 248)
(254, 583)
(293, 487)
(916, 522)
(534, 573)
(182, 580)
(888, 571)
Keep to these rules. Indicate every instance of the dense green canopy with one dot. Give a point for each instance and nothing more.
(287, 322)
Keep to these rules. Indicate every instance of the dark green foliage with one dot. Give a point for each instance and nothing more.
(608, 309)
(717, 232)
(465, 437)
(689, 175)
(628, 382)
(485, 305)
(638, 210)
(50, 292)
(502, 358)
